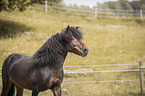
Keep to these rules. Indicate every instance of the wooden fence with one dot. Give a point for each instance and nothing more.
(95, 12)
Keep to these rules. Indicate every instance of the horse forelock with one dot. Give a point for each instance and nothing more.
(74, 31)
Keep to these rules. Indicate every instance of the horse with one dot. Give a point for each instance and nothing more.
(44, 69)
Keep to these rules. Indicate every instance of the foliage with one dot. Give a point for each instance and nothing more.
(124, 5)
(10, 5)
(13, 5)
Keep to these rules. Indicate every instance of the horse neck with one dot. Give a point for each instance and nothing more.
(52, 53)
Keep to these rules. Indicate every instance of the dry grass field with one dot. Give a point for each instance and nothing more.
(110, 41)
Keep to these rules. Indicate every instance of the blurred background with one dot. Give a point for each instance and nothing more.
(113, 30)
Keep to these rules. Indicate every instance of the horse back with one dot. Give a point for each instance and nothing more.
(11, 59)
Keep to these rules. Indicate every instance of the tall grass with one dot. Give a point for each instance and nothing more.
(109, 41)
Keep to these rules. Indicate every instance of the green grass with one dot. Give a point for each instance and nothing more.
(110, 41)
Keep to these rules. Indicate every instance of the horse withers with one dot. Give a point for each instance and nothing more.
(44, 69)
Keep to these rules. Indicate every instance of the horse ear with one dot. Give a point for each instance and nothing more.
(67, 28)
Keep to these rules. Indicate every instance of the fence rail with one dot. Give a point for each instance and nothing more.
(130, 64)
(93, 82)
(73, 72)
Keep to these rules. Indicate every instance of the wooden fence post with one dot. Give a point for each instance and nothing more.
(141, 77)
(141, 14)
(46, 6)
(95, 12)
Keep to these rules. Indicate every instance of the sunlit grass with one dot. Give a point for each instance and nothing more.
(109, 41)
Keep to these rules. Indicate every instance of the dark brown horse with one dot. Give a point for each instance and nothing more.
(44, 69)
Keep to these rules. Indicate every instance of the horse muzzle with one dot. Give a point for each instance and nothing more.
(85, 52)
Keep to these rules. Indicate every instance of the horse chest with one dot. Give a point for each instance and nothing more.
(55, 78)
(48, 79)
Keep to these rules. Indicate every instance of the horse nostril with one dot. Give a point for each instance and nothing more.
(85, 49)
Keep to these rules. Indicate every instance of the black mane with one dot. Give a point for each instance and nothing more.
(53, 48)
(50, 51)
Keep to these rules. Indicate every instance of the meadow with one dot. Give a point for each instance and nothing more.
(110, 41)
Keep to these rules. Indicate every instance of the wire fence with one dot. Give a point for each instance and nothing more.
(129, 80)
(106, 71)
(93, 13)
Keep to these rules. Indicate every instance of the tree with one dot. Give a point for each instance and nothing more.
(12, 5)
(123, 4)
(20, 4)
(142, 4)
(135, 5)
(107, 5)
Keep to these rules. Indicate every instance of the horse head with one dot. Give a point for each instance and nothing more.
(73, 37)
